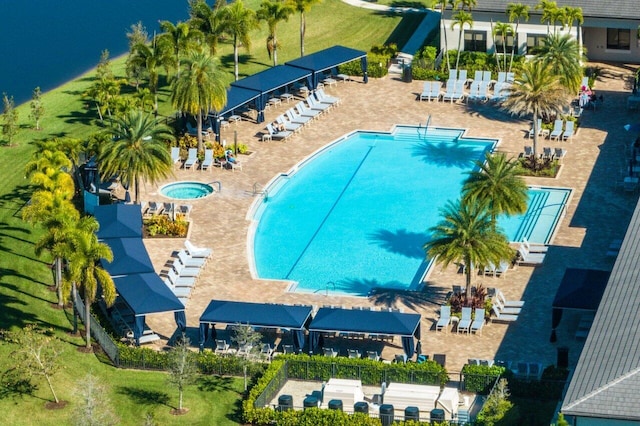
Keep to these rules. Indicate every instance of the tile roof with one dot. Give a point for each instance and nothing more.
(622, 9)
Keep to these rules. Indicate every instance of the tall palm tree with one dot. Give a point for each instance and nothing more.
(560, 52)
(302, 6)
(516, 12)
(159, 54)
(208, 21)
(547, 7)
(557, 16)
(536, 91)
(443, 7)
(504, 30)
(238, 21)
(199, 89)
(466, 235)
(273, 12)
(460, 19)
(497, 186)
(571, 15)
(138, 150)
(179, 37)
(85, 271)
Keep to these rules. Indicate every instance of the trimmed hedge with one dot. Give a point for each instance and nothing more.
(481, 378)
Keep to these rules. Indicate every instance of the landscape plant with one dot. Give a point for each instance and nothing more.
(9, 119)
(182, 369)
(95, 407)
(36, 106)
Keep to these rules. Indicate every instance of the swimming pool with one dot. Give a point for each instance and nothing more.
(355, 215)
(186, 190)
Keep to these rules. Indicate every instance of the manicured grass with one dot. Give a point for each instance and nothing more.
(24, 279)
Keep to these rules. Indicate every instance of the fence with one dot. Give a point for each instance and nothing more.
(98, 333)
(273, 387)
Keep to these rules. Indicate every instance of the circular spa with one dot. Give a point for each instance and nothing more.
(355, 215)
(186, 190)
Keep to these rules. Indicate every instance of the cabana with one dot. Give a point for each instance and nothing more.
(148, 294)
(328, 59)
(337, 320)
(270, 80)
(266, 315)
(129, 257)
(236, 98)
(580, 289)
(119, 221)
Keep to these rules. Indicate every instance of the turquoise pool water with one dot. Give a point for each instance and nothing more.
(355, 216)
(186, 190)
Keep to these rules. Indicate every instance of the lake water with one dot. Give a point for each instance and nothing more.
(48, 42)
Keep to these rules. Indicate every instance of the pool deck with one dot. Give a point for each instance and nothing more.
(597, 213)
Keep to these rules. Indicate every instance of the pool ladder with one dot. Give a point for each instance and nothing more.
(259, 190)
(218, 183)
(426, 126)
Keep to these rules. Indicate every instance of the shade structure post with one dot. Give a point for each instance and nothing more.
(181, 320)
(556, 316)
(204, 330)
(408, 345)
(298, 339)
(138, 328)
(314, 339)
(216, 126)
(364, 66)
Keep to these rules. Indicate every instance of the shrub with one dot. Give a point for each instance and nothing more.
(480, 378)
(163, 225)
(496, 406)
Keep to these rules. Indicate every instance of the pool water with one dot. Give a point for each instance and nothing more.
(355, 216)
(186, 190)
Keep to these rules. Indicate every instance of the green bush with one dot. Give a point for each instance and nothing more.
(261, 416)
(496, 406)
(376, 66)
(480, 378)
(163, 225)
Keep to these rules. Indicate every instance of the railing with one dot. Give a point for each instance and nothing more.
(272, 389)
(98, 333)
(218, 183)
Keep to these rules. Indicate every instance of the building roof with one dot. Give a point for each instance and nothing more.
(606, 381)
(622, 9)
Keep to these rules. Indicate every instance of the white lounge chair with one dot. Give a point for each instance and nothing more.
(486, 77)
(502, 317)
(330, 352)
(568, 131)
(482, 92)
(266, 350)
(559, 153)
(511, 77)
(208, 159)
(546, 153)
(327, 99)
(509, 303)
(184, 209)
(462, 76)
(436, 90)
(373, 355)
(478, 321)
(221, 346)
(175, 154)
(557, 129)
(282, 134)
(190, 262)
(180, 292)
(294, 117)
(509, 310)
(534, 247)
(306, 112)
(453, 74)
(497, 270)
(527, 258)
(177, 281)
(426, 91)
(532, 130)
(354, 353)
(445, 317)
(244, 349)
(465, 322)
(454, 92)
(184, 271)
(502, 77)
(192, 158)
(287, 125)
(477, 76)
(317, 106)
(154, 208)
(197, 252)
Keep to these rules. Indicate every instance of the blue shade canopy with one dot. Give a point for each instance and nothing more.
(272, 78)
(237, 97)
(256, 314)
(327, 59)
(147, 294)
(357, 321)
(129, 257)
(581, 289)
(119, 221)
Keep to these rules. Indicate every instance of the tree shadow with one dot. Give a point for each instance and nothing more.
(407, 3)
(86, 117)
(12, 315)
(144, 396)
(408, 244)
(215, 384)
(445, 154)
(412, 299)
(14, 384)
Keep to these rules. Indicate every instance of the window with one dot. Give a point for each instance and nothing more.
(475, 41)
(618, 39)
(509, 41)
(535, 42)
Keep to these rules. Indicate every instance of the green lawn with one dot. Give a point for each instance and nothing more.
(24, 279)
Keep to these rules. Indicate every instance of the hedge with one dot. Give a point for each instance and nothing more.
(481, 378)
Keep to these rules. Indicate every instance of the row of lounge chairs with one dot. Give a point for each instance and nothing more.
(191, 162)
(505, 310)
(152, 208)
(469, 322)
(294, 119)
(181, 277)
(561, 130)
(547, 153)
(531, 254)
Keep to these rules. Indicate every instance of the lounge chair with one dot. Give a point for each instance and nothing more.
(288, 349)
(282, 134)
(317, 106)
(192, 158)
(197, 252)
(178, 281)
(497, 270)
(505, 302)
(184, 209)
(559, 153)
(175, 154)
(154, 208)
(502, 77)
(168, 209)
(327, 99)
(486, 77)
(568, 131)
(585, 82)
(500, 91)
(505, 310)
(190, 262)
(528, 258)
(184, 271)
(532, 130)
(180, 292)
(306, 112)
(546, 153)
(373, 355)
(445, 317)
(426, 91)
(453, 74)
(477, 76)
(244, 349)
(208, 159)
(266, 350)
(535, 370)
(528, 151)
(465, 321)
(499, 317)
(288, 125)
(511, 77)
(436, 90)
(478, 321)
(221, 346)
(557, 130)
(330, 352)
(462, 75)
(231, 162)
(354, 353)
(454, 92)
(534, 247)
(294, 117)
(481, 93)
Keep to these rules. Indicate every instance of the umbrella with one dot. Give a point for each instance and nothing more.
(632, 127)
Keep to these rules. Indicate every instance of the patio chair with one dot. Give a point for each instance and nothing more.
(528, 151)
(502, 317)
(535, 370)
(306, 112)
(546, 153)
(502, 77)
(373, 355)
(557, 129)
(568, 131)
(440, 359)
(454, 91)
(317, 106)
(330, 352)
(288, 349)
(184, 209)
(486, 77)
(497, 270)
(511, 310)
(478, 321)
(462, 76)
(528, 258)
(184, 271)
(294, 117)
(534, 247)
(426, 91)
(532, 130)
(197, 252)
(436, 90)
(175, 154)
(168, 209)
(486, 362)
(354, 353)
(522, 370)
(180, 292)
(190, 262)
(178, 281)
(477, 76)
(453, 74)
(287, 125)
(192, 158)
(154, 208)
(221, 346)
(208, 159)
(559, 153)
(321, 96)
(510, 303)
(282, 134)
(244, 349)
(266, 350)
(511, 77)
(445, 317)
(465, 321)
(473, 361)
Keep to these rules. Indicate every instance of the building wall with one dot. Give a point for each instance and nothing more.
(589, 421)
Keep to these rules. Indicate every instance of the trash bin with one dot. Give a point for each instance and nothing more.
(361, 407)
(563, 357)
(310, 402)
(285, 402)
(387, 414)
(335, 404)
(437, 415)
(407, 77)
(411, 413)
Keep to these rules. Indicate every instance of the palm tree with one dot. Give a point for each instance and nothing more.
(273, 12)
(238, 21)
(302, 6)
(85, 271)
(179, 37)
(516, 12)
(536, 91)
(557, 16)
(466, 235)
(560, 52)
(208, 21)
(503, 30)
(151, 58)
(548, 8)
(571, 15)
(460, 19)
(138, 150)
(443, 7)
(199, 89)
(48, 170)
(496, 186)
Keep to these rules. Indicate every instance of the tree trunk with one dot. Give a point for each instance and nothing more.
(235, 57)
(75, 307)
(459, 43)
(444, 34)
(87, 322)
(55, 397)
(579, 30)
(468, 271)
(58, 266)
(302, 30)
(199, 130)
(99, 112)
(180, 403)
(535, 133)
(516, 45)
(136, 183)
(275, 50)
